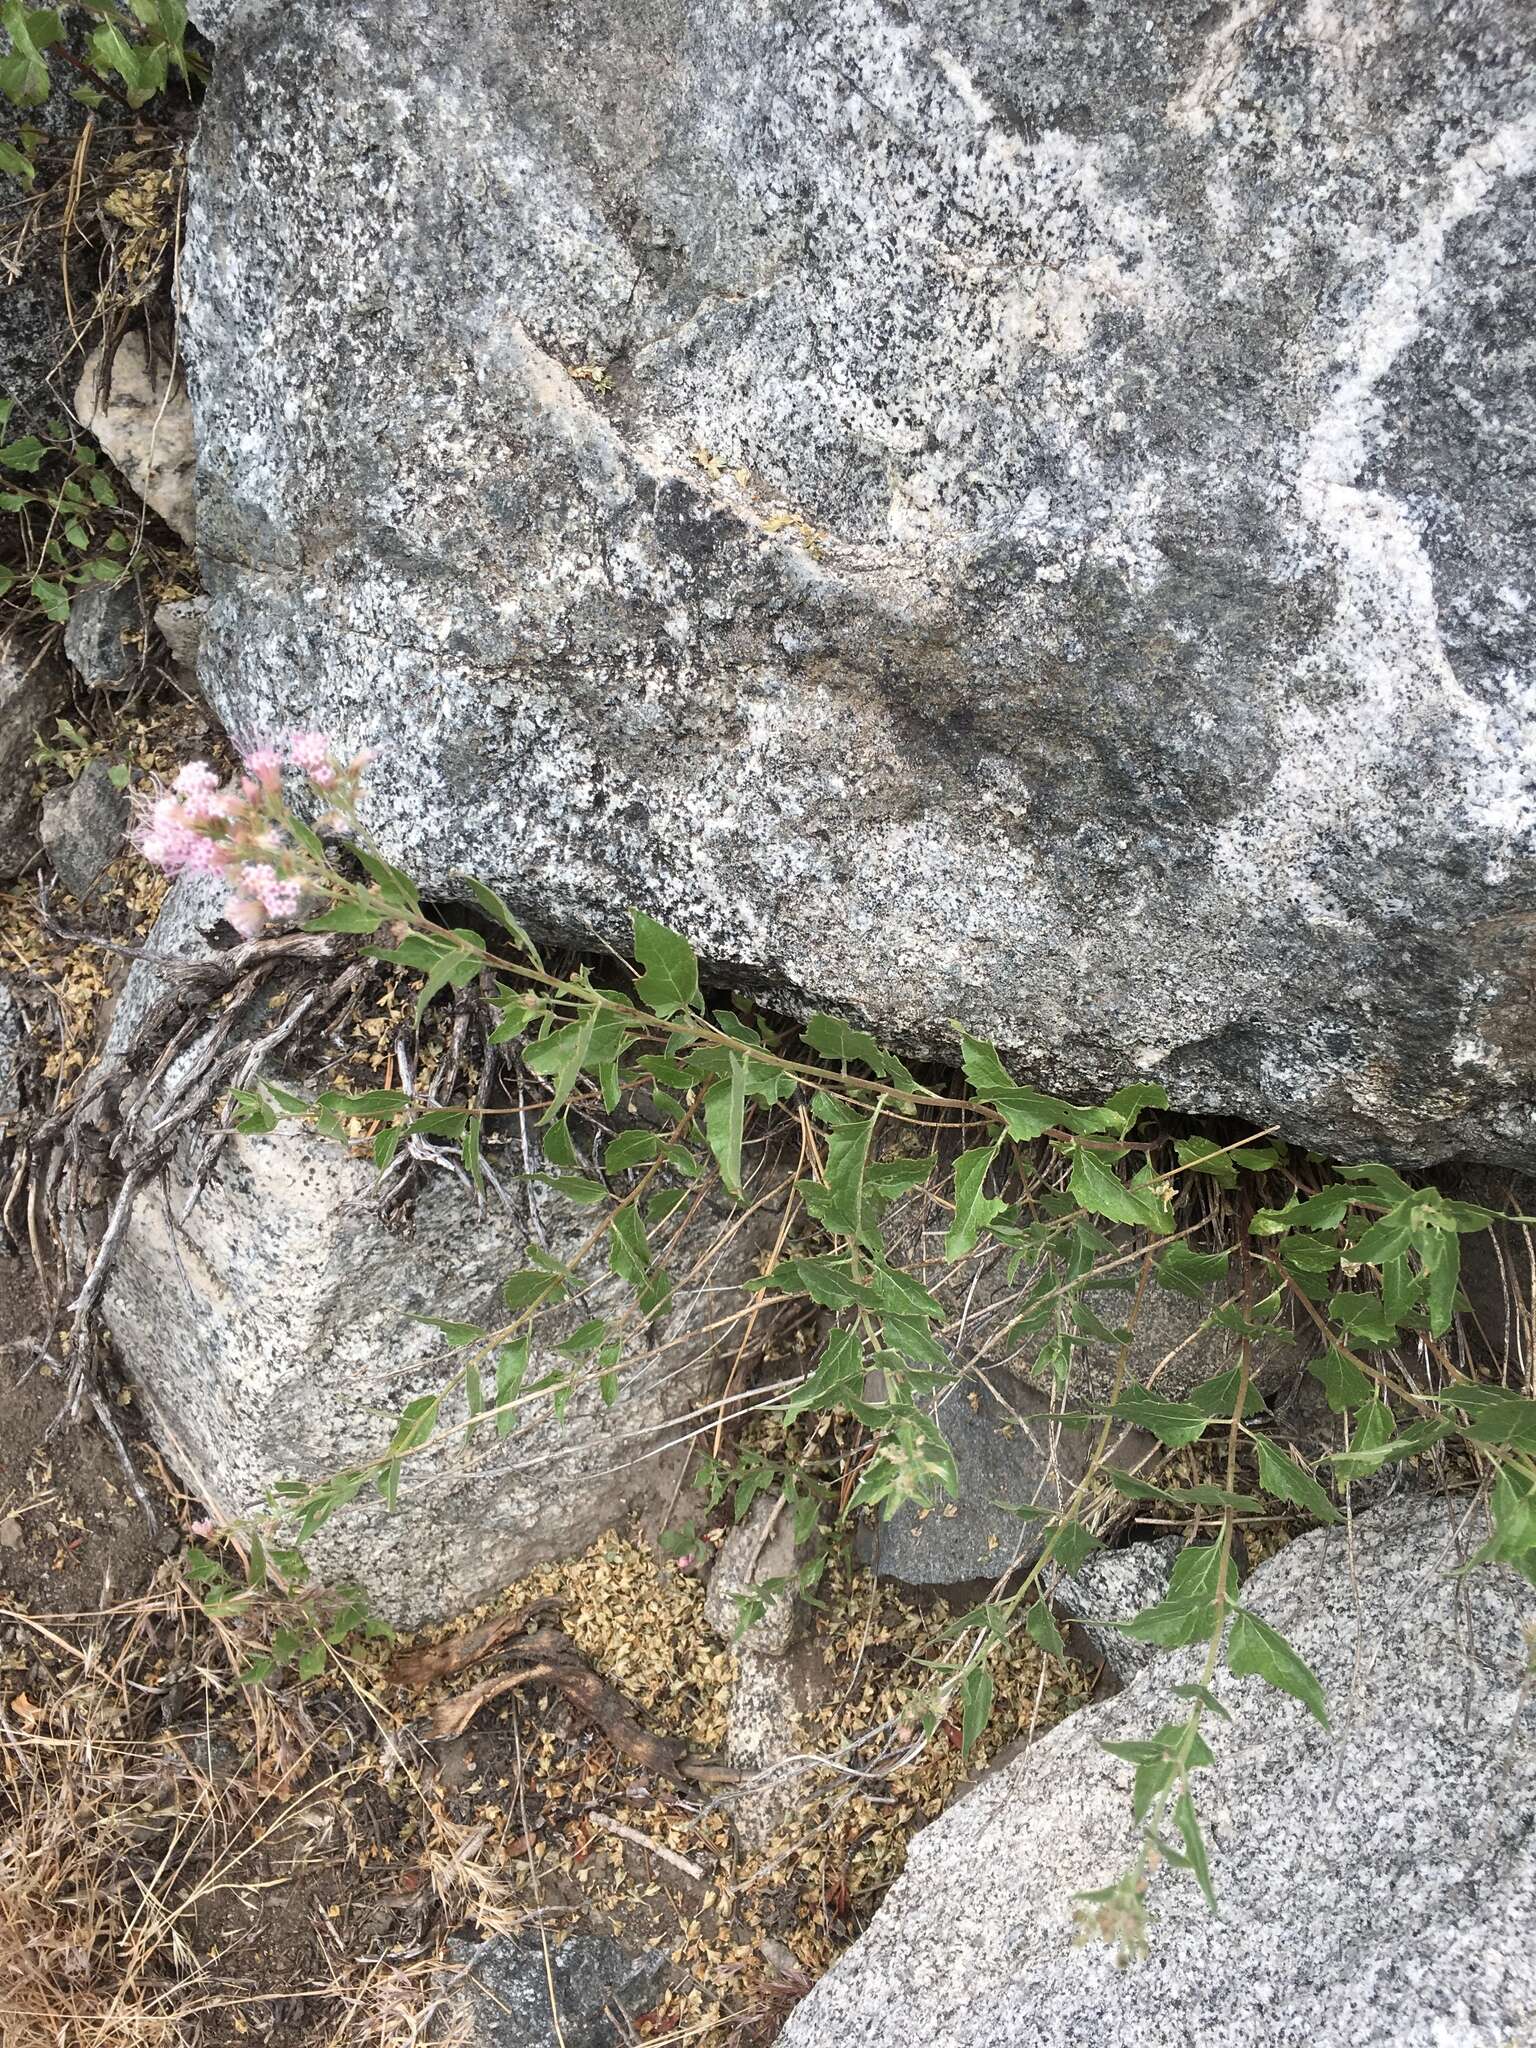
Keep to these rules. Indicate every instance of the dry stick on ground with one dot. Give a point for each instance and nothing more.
(544, 1656)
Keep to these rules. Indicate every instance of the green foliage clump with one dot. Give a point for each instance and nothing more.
(1369, 1259)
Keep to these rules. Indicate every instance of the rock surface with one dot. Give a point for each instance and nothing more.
(13, 1026)
(105, 636)
(33, 689)
(144, 425)
(1377, 1884)
(1009, 1451)
(504, 1999)
(967, 514)
(1113, 1586)
(276, 1335)
(83, 827)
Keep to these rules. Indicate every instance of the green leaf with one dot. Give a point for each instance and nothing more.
(1187, 1611)
(345, 917)
(1217, 1396)
(511, 1370)
(1440, 1255)
(1174, 1423)
(1183, 1271)
(631, 1148)
(1342, 1381)
(31, 30)
(1040, 1626)
(973, 1209)
(1512, 1507)
(52, 597)
(1386, 1238)
(497, 911)
(835, 1040)
(15, 164)
(1127, 1104)
(837, 1378)
(1102, 1193)
(1324, 1211)
(669, 977)
(977, 1694)
(1283, 1480)
(1188, 1825)
(1499, 1418)
(1025, 1112)
(368, 1102)
(1255, 1650)
(724, 1116)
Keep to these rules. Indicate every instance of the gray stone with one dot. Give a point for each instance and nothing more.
(275, 1332)
(144, 425)
(13, 1033)
(190, 912)
(105, 636)
(503, 2000)
(180, 623)
(1010, 1450)
(1377, 1883)
(83, 827)
(33, 691)
(1048, 544)
(1113, 1586)
(776, 1683)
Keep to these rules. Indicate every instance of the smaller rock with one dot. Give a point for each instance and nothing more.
(760, 1551)
(1112, 1586)
(190, 912)
(144, 425)
(13, 1031)
(105, 636)
(33, 690)
(1010, 1451)
(504, 1999)
(83, 827)
(181, 627)
(775, 1687)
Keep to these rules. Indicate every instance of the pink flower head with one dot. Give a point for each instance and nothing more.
(311, 751)
(246, 915)
(196, 779)
(265, 765)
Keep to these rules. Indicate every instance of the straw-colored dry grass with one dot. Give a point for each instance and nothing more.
(181, 1857)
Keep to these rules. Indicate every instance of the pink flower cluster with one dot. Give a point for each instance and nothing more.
(239, 832)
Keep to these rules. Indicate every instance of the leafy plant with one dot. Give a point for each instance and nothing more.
(1070, 1194)
(70, 528)
(135, 49)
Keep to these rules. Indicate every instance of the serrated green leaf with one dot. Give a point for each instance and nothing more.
(1102, 1193)
(1174, 1423)
(838, 1377)
(1187, 1611)
(974, 1210)
(1255, 1650)
(976, 1693)
(1190, 1273)
(1040, 1626)
(669, 978)
(1283, 1480)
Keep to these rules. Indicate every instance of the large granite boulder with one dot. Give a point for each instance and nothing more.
(1376, 1883)
(1017, 515)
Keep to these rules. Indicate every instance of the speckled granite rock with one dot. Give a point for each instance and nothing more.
(503, 2000)
(1019, 515)
(1112, 1586)
(83, 827)
(277, 1332)
(1377, 1884)
(33, 690)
